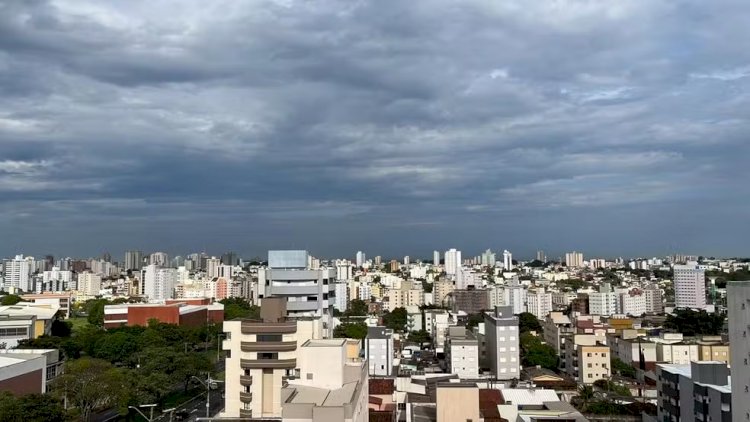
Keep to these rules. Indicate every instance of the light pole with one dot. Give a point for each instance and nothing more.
(152, 406)
(207, 384)
(170, 411)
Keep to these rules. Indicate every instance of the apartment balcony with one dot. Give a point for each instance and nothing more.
(246, 413)
(269, 346)
(246, 380)
(268, 363)
(246, 397)
(284, 327)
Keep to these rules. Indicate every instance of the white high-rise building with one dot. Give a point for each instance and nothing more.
(379, 351)
(344, 269)
(603, 302)
(361, 258)
(515, 296)
(133, 260)
(17, 271)
(488, 258)
(158, 283)
(89, 284)
(435, 258)
(507, 260)
(502, 340)
(738, 304)
(689, 286)
(160, 259)
(56, 280)
(452, 261)
(539, 303)
(574, 259)
(212, 267)
(406, 260)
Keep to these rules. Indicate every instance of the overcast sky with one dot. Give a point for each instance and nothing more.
(616, 128)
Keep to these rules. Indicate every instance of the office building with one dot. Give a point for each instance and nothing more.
(502, 337)
(738, 305)
(698, 391)
(689, 286)
(309, 292)
(360, 259)
(133, 260)
(379, 351)
(574, 259)
(462, 353)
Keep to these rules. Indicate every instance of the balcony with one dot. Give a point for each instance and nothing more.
(269, 346)
(246, 380)
(246, 413)
(246, 397)
(260, 327)
(268, 363)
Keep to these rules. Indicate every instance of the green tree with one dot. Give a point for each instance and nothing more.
(396, 320)
(419, 337)
(621, 368)
(585, 396)
(534, 352)
(528, 322)
(95, 311)
(237, 307)
(474, 320)
(690, 322)
(613, 388)
(30, 408)
(90, 385)
(357, 307)
(357, 330)
(61, 328)
(8, 300)
(190, 365)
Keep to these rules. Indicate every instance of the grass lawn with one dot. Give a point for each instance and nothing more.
(78, 323)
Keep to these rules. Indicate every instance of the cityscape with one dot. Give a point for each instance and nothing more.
(447, 337)
(374, 211)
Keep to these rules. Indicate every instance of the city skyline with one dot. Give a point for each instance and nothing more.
(616, 129)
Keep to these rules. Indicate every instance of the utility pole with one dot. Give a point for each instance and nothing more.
(148, 418)
(207, 384)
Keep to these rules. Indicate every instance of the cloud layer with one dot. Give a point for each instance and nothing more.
(617, 128)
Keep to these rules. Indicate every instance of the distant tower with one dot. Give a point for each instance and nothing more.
(436, 258)
(507, 260)
(360, 259)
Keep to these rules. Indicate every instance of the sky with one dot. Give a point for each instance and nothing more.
(615, 128)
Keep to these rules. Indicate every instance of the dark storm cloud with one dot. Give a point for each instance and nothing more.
(394, 126)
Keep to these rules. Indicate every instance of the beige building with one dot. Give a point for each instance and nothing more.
(713, 349)
(332, 387)
(261, 357)
(407, 295)
(440, 290)
(457, 402)
(586, 360)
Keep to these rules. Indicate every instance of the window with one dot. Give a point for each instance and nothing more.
(591, 376)
(604, 355)
(309, 376)
(589, 365)
(267, 356)
(588, 354)
(261, 338)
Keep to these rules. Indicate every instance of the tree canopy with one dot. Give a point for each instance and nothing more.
(31, 408)
(8, 300)
(357, 330)
(396, 320)
(357, 307)
(534, 352)
(528, 322)
(237, 307)
(691, 322)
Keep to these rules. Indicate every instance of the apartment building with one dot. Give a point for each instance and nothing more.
(379, 351)
(462, 353)
(586, 359)
(698, 391)
(502, 337)
(470, 300)
(556, 327)
(738, 304)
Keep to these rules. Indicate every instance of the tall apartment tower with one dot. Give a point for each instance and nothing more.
(133, 260)
(360, 258)
(540, 256)
(507, 260)
(310, 293)
(158, 283)
(452, 261)
(160, 259)
(738, 304)
(502, 338)
(212, 267)
(689, 286)
(379, 351)
(436, 258)
(574, 259)
(17, 272)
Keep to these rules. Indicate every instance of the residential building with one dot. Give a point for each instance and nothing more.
(586, 359)
(436, 323)
(507, 260)
(502, 337)
(89, 284)
(435, 258)
(133, 260)
(379, 351)
(441, 289)
(60, 301)
(408, 294)
(698, 391)
(515, 296)
(360, 259)
(462, 353)
(471, 301)
(309, 292)
(17, 274)
(212, 267)
(28, 371)
(488, 258)
(604, 302)
(738, 304)
(495, 296)
(539, 303)
(160, 259)
(535, 404)
(457, 402)
(158, 283)
(654, 300)
(452, 262)
(574, 259)
(341, 300)
(632, 302)
(56, 280)
(540, 256)
(557, 327)
(690, 286)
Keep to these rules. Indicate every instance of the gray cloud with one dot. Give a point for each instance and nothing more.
(395, 126)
